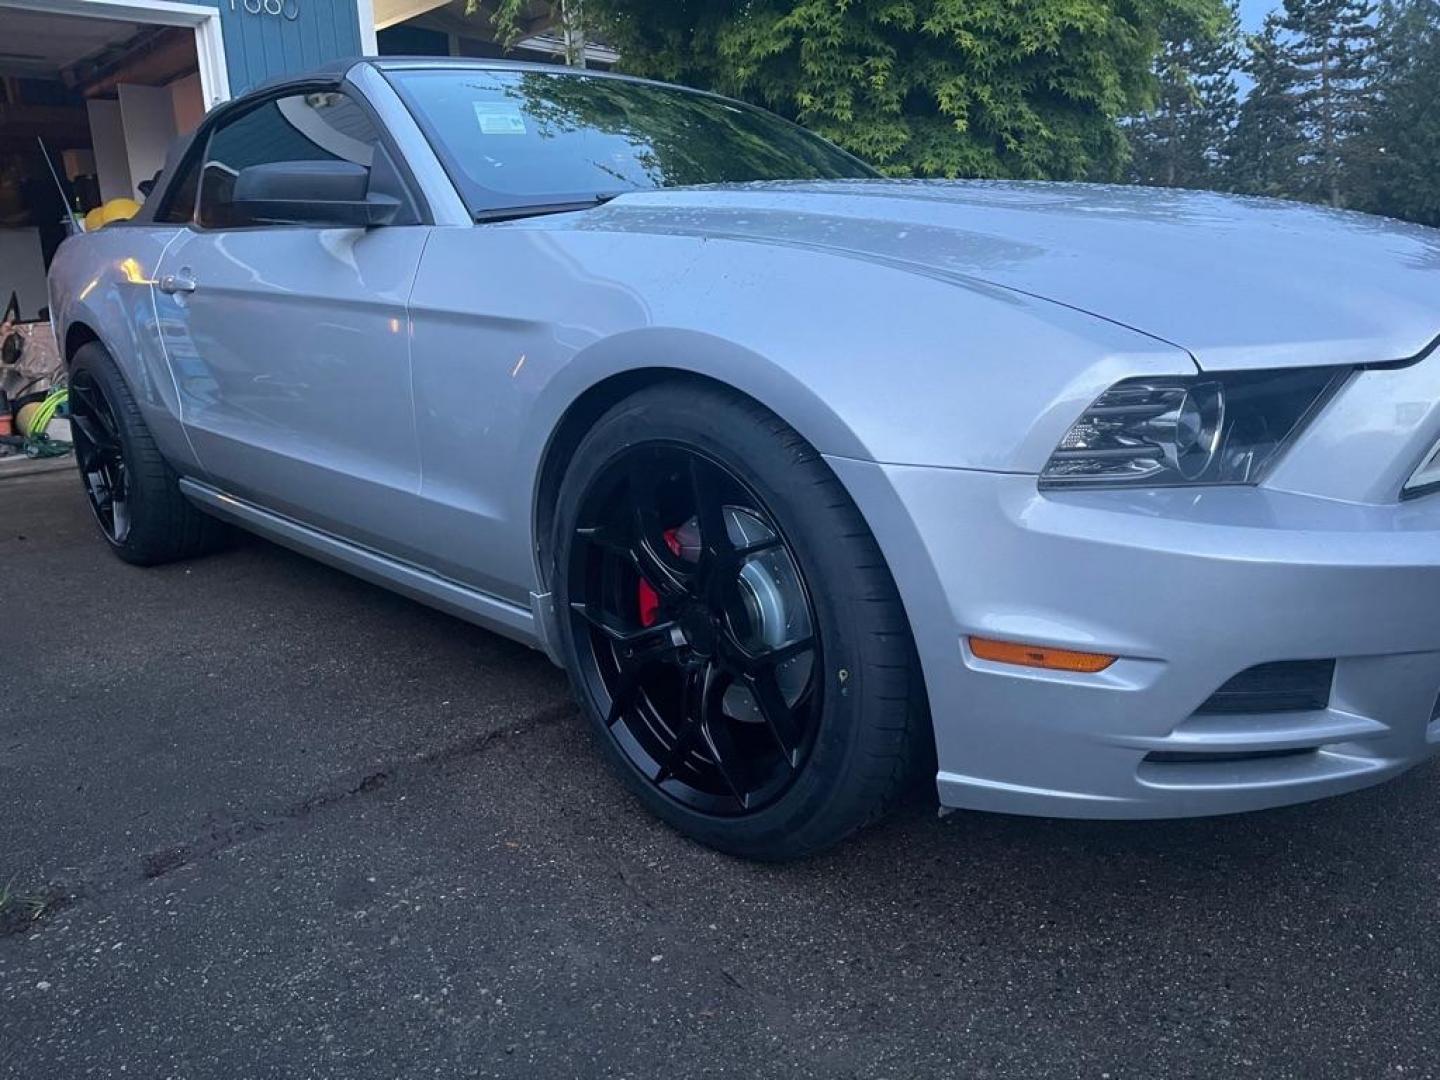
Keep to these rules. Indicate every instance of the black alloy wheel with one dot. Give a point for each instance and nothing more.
(730, 627)
(132, 490)
(695, 629)
(100, 454)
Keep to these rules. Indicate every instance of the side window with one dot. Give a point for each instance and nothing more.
(322, 126)
(179, 206)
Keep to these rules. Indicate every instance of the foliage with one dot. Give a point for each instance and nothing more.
(1399, 156)
(1183, 141)
(1267, 144)
(1028, 88)
(643, 135)
(1330, 55)
(1340, 107)
(508, 21)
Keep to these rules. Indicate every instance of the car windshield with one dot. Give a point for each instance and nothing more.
(529, 138)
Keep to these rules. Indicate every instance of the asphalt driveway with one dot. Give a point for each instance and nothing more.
(284, 824)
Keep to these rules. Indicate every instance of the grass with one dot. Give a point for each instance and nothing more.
(21, 910)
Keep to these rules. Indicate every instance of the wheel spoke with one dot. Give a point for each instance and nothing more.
(106, 421)
(670, 583)
(729, 758)
(744, 551)
(613, 627)
(85, 453)
(119, 518)
(654, 643)
(623, 696)
(602, 620)
(97, 410)
(779, 716)
(755, 663)
(95, 434)
(707, 500)
(80, 394)
(641, 557)
(606, 539)
(701, 705)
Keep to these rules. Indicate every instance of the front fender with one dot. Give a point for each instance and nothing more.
(685, 351)
(867, 359)
(872, 361)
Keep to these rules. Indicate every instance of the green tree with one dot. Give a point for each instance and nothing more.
(1182, 142)
(1331, 53)
(1028, 88)
(1268, 142)
(513, 19)
(1401, 158)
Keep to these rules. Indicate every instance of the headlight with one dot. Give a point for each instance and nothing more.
(1223, 428)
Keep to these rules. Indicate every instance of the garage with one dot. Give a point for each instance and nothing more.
(92, 93)
(89, 102)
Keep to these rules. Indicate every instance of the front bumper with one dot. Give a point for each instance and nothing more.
(1189, 588)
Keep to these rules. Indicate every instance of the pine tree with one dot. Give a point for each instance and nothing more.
(1182, 142)
(1331, 54)
(1401, 159)
(1268, 142)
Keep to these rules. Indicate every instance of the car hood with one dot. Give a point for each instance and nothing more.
(1238, 282)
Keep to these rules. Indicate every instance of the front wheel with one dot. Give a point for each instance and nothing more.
(730, 626)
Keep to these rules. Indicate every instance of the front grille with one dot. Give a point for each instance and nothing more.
(1282, 686)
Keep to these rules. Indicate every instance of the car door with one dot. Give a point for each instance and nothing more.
(289, 343)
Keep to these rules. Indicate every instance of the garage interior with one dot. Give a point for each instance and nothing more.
(106, 97)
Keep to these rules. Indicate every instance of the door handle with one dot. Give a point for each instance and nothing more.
(176, 283)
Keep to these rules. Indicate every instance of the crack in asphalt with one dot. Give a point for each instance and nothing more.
(223, 836)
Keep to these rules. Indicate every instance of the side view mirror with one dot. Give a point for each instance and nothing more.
(335, 193)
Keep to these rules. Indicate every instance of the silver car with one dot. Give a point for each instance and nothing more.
(1086, 501)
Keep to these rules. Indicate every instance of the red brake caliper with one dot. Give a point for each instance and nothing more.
(648, 598)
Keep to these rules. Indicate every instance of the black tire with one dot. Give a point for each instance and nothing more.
(160, 524)
(871, 730)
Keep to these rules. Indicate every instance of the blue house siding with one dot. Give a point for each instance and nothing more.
(304, 33)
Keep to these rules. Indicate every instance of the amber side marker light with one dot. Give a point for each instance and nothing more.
(1014, 652)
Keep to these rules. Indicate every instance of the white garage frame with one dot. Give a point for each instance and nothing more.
(203, 19)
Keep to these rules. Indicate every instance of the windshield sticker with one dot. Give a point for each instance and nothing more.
(499, 118)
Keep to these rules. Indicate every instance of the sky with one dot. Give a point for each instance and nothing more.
(1253, 12)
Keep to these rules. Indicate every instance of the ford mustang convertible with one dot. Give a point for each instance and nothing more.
(1077, 500)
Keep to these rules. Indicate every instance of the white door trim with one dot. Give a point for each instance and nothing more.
(203, 19)
(366, 13)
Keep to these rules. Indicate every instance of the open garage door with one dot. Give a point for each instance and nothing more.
(92, 92)
(105, 95)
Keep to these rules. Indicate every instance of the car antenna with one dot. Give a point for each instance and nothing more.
(75, 222)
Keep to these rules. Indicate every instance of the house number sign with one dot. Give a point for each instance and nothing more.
(285, 9)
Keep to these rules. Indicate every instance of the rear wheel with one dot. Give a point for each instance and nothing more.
(730, 625)
(133, 493)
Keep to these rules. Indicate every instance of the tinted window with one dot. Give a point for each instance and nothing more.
(512, 138)
(302, 127)
(179, 206)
